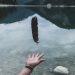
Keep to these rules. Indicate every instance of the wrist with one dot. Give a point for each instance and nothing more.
(32, 66)
(29, 67)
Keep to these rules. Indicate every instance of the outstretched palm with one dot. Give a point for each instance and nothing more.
(34, 60)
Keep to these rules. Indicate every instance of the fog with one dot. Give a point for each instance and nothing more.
(16, 43)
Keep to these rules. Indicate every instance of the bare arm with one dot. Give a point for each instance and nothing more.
(32, 62)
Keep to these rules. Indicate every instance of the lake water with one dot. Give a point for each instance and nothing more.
(16, 42)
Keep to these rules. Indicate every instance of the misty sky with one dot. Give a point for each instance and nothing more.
(19, 34)
(16, 40)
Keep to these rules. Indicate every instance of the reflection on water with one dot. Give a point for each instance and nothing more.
(16, 43)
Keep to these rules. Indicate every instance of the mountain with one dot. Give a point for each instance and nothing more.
(62, 17)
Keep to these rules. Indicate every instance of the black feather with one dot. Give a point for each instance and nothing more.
(34, 26)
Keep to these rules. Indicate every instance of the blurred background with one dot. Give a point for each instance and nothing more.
(56, 36)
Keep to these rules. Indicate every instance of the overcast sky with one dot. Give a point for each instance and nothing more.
(16, 41)
(20, 32)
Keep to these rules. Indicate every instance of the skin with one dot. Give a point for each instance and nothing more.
(32, 61)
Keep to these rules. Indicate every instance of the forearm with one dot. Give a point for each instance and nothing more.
(32, 62)
(25, 71)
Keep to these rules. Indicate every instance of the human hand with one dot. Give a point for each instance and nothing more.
(34, 60)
